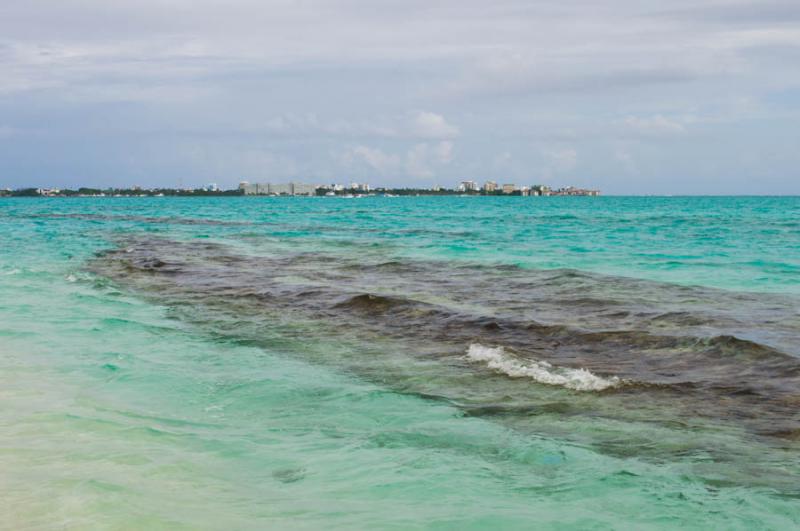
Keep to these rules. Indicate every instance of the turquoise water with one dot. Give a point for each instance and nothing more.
(251, 363)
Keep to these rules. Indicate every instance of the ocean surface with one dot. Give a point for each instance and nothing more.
(400, 363)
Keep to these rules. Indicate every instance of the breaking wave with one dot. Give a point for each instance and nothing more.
(541, 371)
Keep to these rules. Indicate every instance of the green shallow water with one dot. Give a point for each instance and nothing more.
(125, 408)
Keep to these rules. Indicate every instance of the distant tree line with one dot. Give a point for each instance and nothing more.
(413, 191)
(135, 192)
(199, 192)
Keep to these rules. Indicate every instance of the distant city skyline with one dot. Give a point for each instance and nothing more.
(636, 97)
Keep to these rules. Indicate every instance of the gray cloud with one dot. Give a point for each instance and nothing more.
(746, 13)
(397, 90)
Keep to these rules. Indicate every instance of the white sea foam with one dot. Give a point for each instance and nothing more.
(75, 277)
(541, 371)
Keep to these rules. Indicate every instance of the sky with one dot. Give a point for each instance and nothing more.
(628, 96)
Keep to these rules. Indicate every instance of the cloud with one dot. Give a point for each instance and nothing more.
(420, 161)
(561, 159)
(417, 164)
(390, 88)
(422, 125)
(656, 125)
(423, 159)
(431, 125)
(502, 160)
(416, 125)
(626, 160)
(740, 13)
(443, 152)
(374, 158)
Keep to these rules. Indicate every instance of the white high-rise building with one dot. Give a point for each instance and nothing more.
(277, 189)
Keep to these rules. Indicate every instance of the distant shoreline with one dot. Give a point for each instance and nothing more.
(467, 188)
(362, 196)
(248, 197)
